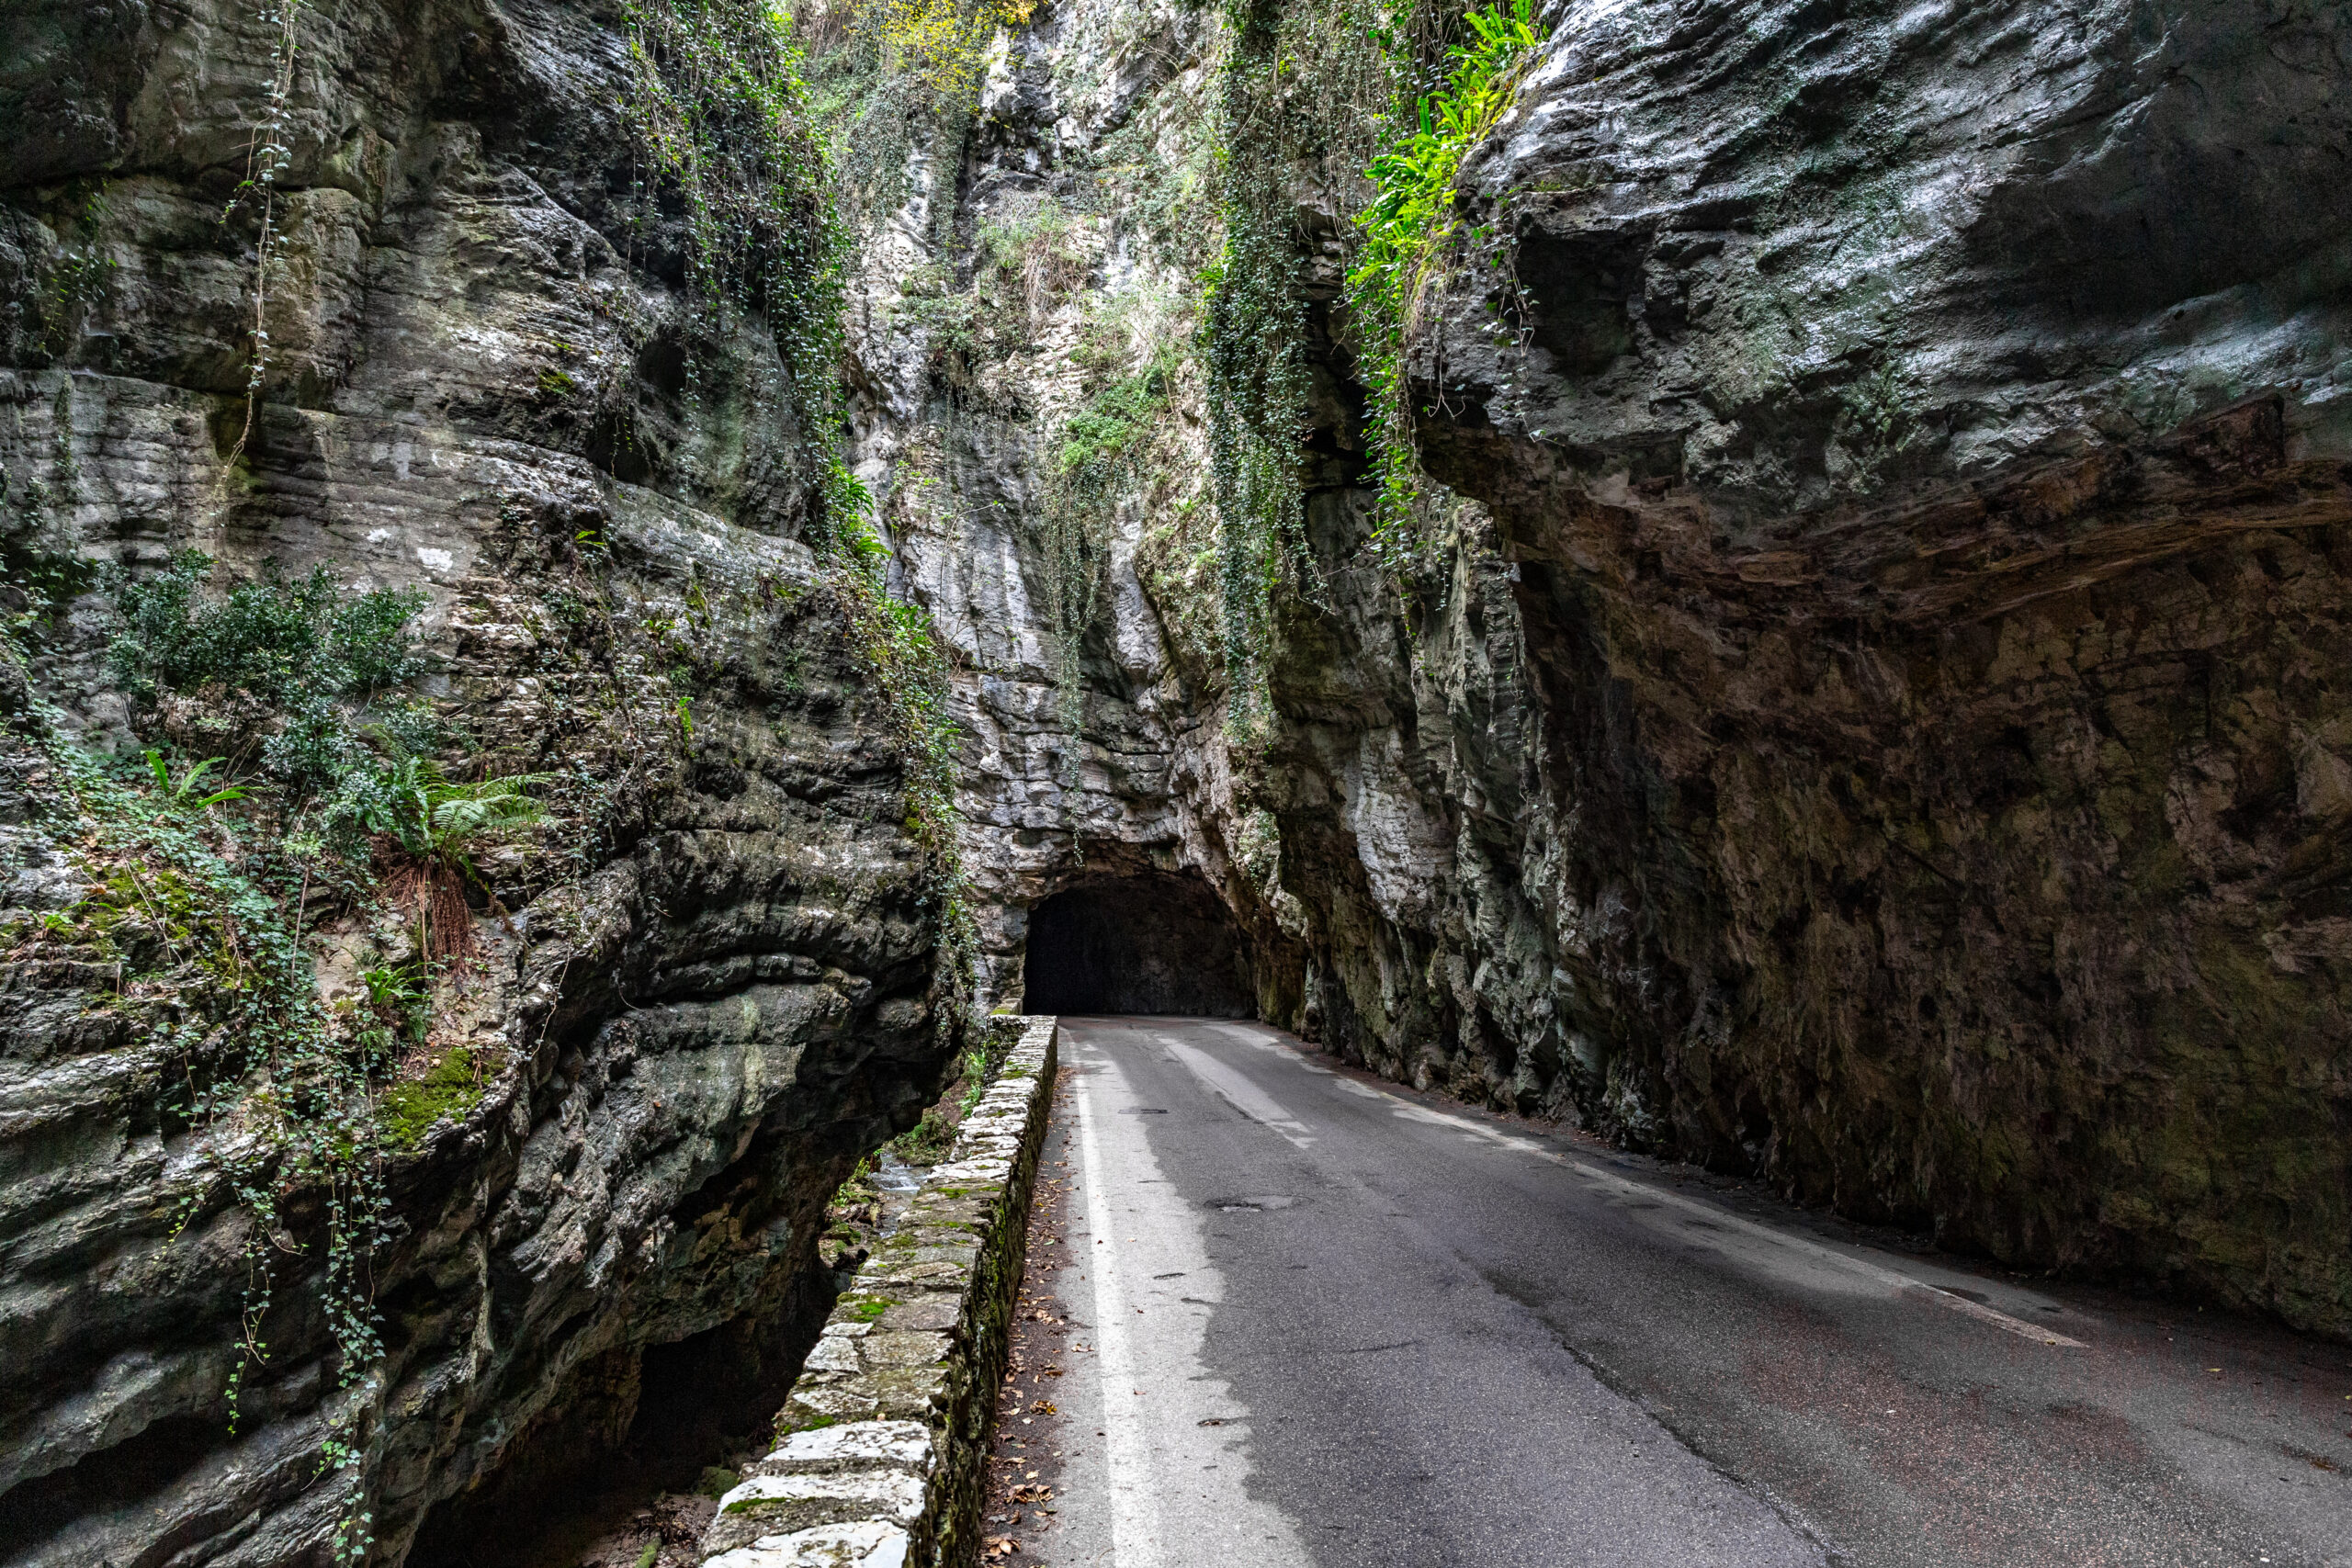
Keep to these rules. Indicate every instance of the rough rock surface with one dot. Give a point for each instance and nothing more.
(1083, 113)
(1929, 532)
(696, 1015)
(1879, 726)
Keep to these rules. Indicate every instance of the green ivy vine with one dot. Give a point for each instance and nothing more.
(267, 157)
(719, 115)
(1300, 87)
(289, 1097)
(722, 118)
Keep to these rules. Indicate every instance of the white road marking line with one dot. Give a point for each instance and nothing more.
(1239, 1091)
(1248, 1037)
(1902, 1283)
(1134, 1524)
(1177, 1443)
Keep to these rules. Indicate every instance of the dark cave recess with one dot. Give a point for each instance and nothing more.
(1153, 943)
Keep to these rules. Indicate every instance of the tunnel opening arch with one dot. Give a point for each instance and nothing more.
(1149, 941)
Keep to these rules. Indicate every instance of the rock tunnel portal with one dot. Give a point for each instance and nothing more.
(1136, 945)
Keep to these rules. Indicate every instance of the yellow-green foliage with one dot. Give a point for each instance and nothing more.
(1407, 230)
(942, 44)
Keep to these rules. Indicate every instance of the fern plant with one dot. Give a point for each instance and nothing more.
(433, 827)
(181, 792)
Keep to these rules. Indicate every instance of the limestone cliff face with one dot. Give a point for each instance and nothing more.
(1929, 542)
(1880, 730)
(709, 989)
(1877, 722)
(1035, 262)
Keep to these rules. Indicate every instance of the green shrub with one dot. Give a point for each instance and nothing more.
(294, 649)
(287, 644)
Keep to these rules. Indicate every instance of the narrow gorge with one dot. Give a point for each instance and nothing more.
(593, 586)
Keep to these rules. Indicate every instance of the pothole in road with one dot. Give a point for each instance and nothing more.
(1251, 1205)
(1141, 1111)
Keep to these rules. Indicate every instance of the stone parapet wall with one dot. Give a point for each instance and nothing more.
(879, 1462)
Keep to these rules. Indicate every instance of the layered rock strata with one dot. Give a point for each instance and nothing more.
(713, 985)
(1929, 537)
(1875, 722)
(1878, 724)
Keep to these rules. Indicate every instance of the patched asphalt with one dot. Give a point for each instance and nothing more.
(1312, 1318)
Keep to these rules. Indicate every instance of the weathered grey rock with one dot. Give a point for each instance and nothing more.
(1927, 573)
(1143, 784)
(1878, 726)
(784, 1504)
(711, 994)
(1886, 731)
(872, 1543)
(902, 1445)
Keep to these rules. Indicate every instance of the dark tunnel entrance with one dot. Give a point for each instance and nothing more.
(1152, 944)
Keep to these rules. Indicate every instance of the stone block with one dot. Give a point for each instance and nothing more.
(902, 1445)
(905, 1349)
(938, 1311)
(833, 1353)
(868, 1544)
(773, 1505)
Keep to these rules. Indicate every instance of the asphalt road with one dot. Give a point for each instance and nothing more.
(1316, 1319)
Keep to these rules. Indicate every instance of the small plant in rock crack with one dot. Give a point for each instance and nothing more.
(400, 999)
(179, 792)
(436, 825)
(976, 1082)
